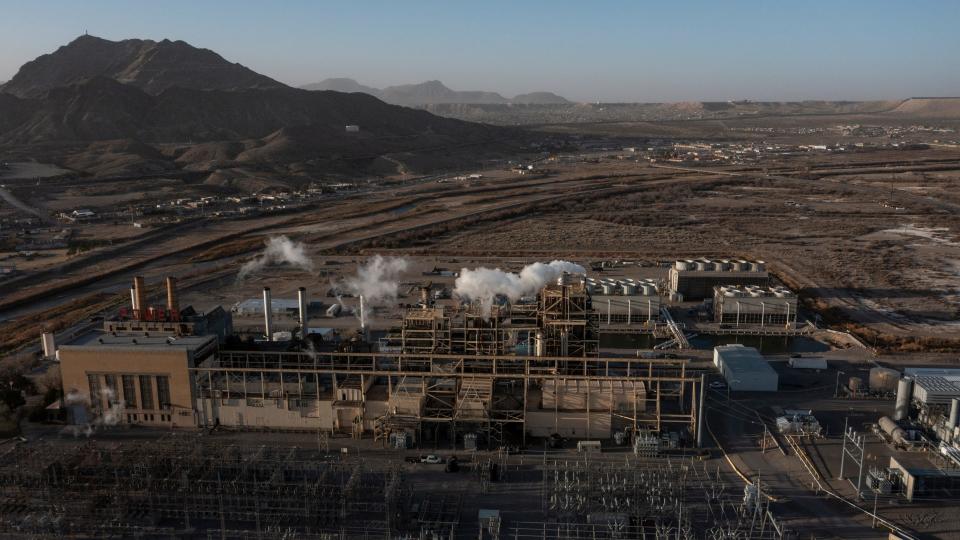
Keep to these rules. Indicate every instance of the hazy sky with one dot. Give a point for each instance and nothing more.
(587, 51)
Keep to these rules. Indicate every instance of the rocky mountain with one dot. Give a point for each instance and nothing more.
(432, 93)
(152, 66)
(137, 105)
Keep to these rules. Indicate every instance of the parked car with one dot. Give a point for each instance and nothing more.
(432, 459)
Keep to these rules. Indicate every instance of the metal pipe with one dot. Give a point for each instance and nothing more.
(700, 422)
(954, 414)
(302, 307)
(267, 314)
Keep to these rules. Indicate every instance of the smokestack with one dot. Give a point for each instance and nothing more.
(140, 292)
(954, 413)
(133, 299)
(302, 304)
(267, 314)
(173, 303)
(363, 321)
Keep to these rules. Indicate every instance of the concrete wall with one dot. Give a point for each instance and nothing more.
(272, 413)
(569, 424)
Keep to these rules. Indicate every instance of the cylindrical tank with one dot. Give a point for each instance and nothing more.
(538, 344)
(681, 265)
(701, 266)
(563, 279)
(629, 289)
(738, 266)
(759, 266)
(609, 289)
(904, 392)
(883, 379)
(954, 414)
(649, 290)
(856, 385)
(723, 265)
(890, 427)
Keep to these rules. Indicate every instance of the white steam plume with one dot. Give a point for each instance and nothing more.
(483, 284)
(377, 280)
(279, 250)
(110, 417)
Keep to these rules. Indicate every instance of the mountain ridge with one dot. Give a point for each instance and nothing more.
(433, 92)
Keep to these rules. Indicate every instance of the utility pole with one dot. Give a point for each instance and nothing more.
(836, 389)
(843, 452)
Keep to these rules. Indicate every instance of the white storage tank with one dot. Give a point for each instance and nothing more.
(609, 289)
(759, 266)
(629, 289)
(649, 290)
(883, 379)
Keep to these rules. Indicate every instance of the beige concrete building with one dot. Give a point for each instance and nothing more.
(134, 379)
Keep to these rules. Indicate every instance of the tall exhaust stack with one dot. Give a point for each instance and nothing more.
(173, 303)
(363, 320)
(133, 300)
(302, 305)
(140, 293)
(267, 314)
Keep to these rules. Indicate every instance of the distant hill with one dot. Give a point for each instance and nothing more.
(432, 93)
(152, 66)
(539, 98)
(930, 107)
(342, 84)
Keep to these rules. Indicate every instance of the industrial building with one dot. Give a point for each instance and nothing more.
(138, 379)
(921, 478)
(753, 305)
(745, 369)
(696, 279)
(531, 368)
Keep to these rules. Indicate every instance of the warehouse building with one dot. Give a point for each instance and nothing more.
(920, 478)
(745, 369)
(753, 305)
(696, 279)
